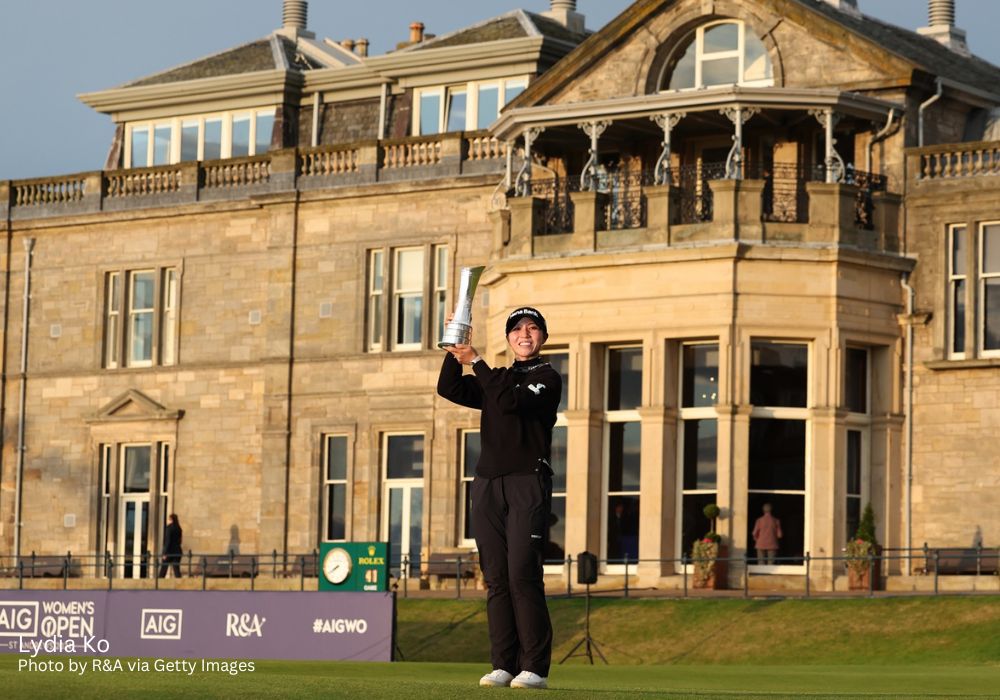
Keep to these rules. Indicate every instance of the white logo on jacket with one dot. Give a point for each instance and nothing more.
(536, 388)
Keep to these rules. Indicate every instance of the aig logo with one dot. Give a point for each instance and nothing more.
(158, 623)
(244, 625)
(18, 619)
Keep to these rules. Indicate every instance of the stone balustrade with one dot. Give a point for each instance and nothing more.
(952, 161)
(339, 165)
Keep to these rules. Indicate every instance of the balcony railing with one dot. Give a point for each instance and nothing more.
(339, 165)
(953, 161)
(557, 210)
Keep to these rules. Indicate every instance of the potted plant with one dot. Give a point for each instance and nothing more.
(861, 551)
(706, 552)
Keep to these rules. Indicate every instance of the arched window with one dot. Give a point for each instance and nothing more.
(720, 53)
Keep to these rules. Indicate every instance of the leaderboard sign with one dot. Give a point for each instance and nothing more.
(198, 624)
(354, 566)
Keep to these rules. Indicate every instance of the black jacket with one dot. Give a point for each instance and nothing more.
(519, 409)
(172, 539)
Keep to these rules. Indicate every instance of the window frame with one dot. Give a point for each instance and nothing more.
(699, 42)
(177, 126)
(326, 439)
(441, 261)
(398, 294)
(471, 90)
(981, 283)
(561, 422)
(407, 483)
(116, 336)
(954, 281)
(465, 484)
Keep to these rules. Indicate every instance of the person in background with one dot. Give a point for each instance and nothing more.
(172, 546)
(766, 533)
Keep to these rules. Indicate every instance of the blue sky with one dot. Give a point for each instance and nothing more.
(54, 49)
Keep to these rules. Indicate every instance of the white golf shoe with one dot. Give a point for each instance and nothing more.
(497, 678)
(527, 679)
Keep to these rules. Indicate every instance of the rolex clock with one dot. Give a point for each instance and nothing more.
(337, 565)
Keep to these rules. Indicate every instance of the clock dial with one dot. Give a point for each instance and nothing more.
(337, 565)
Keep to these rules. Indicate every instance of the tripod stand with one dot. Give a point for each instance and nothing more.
(587, 642)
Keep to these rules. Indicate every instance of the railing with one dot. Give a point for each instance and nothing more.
(247, 171)
(411, 153)
(696, 200)
(557, 211)
(480, 147)
(49, 191)
(959, 160)
(626, 203)
(322, 160)
(145, 181)
(785, 198)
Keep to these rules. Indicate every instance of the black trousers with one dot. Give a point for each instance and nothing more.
(510, 517)
(168, 560)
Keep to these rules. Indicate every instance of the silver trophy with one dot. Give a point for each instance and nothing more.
(458, 331)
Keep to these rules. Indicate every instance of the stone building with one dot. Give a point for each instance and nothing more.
(764, 235)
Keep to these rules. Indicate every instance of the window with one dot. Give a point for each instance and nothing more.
(403, 500)
(857, 400)
(778, 444)
(440, 290)
(334, 508)
(622, 451)
(104, 500)
(463, 107)
(989, 289)
(140, 318)
(697, 439)
(398, 297)
(555, 549)
(957, 255)
(208, 137)
(471, 449)
(720, 53)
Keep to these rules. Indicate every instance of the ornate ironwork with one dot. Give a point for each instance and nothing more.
(626, 204)
(557, 212)
(695, 193)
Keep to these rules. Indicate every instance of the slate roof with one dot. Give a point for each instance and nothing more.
(512, 25)
(930, 55)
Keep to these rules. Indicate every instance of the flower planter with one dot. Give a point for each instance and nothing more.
(858, 580)
(719, 574)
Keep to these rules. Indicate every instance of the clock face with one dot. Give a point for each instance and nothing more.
(337, 565)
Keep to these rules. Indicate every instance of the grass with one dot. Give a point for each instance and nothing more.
(946, 647)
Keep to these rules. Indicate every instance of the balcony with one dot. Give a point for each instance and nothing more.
(342, 165)
(776, 203)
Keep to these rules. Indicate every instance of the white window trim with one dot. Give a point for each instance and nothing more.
(952, 279)
(471, 90)
(686, 414)
(983, 276)
(441, 259)
(388, 296)
(327, 482)
(376, 300)
(739, 54)
(617, 416)
(176, 125)
(787, 413)
(464, 483)
(397, 294)
(117, 353)
(408, 484)
(132, 312)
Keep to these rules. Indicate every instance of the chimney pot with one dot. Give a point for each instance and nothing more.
(564, 12)
(362, 47)
(941, 18)
(295, 14)
(348, 44)
(941, 13)
(416, 32)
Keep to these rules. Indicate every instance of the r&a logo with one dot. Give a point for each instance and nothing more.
(244, 625)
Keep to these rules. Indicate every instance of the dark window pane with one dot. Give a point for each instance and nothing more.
(136, 469)
(701, 376)
(778, 375)
(694, 524)
(853, 516)
(958, 251)
(336, 457)
(555, 547)
(406, 457)
(991, 314)
(467, 532)
(790, 511)
(623, 528)
(336, 505)
(623, 456)
(558, 459)
(416, 524)
(777, 454)
(856, 380)
(700, 439)
(854, 462)
(624, 379)
(958, 317)
(213, 139)
(471, 449)
(560, 363)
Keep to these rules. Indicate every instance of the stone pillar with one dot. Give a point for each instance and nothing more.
(886, 220)
(369, 160)
(6, 199)
(284, 168)
(500, 223)
(191, 181)
(525, 221)
(737, 204)
(452, 152)
(827, 492)
(662, 211)
(588, 210)
(733, 461)
(583, 482)
(832, 211)
(657, 484)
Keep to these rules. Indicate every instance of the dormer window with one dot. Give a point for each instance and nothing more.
(719, 53)
(199, 137)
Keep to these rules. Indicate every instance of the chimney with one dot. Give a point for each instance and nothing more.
(362, 47)
(564, 12)
(416, 32)
(941, 18)
(348, 44)
(849, 7)
(293, 19)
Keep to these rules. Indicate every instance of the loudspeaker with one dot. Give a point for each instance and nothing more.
(586, 568)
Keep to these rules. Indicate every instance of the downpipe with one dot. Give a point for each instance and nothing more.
(29, 245)
(908, 416)
(924, 105)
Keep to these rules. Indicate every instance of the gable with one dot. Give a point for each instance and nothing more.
(134, 405)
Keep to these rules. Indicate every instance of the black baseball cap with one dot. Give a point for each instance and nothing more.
(526, 312)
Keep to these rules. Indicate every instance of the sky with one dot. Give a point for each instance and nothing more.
(52, 50)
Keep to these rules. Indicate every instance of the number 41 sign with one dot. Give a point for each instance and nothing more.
(353, 566)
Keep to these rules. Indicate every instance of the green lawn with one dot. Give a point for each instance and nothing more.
(947, 647)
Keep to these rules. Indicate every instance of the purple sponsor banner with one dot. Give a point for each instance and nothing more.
(199, 624)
